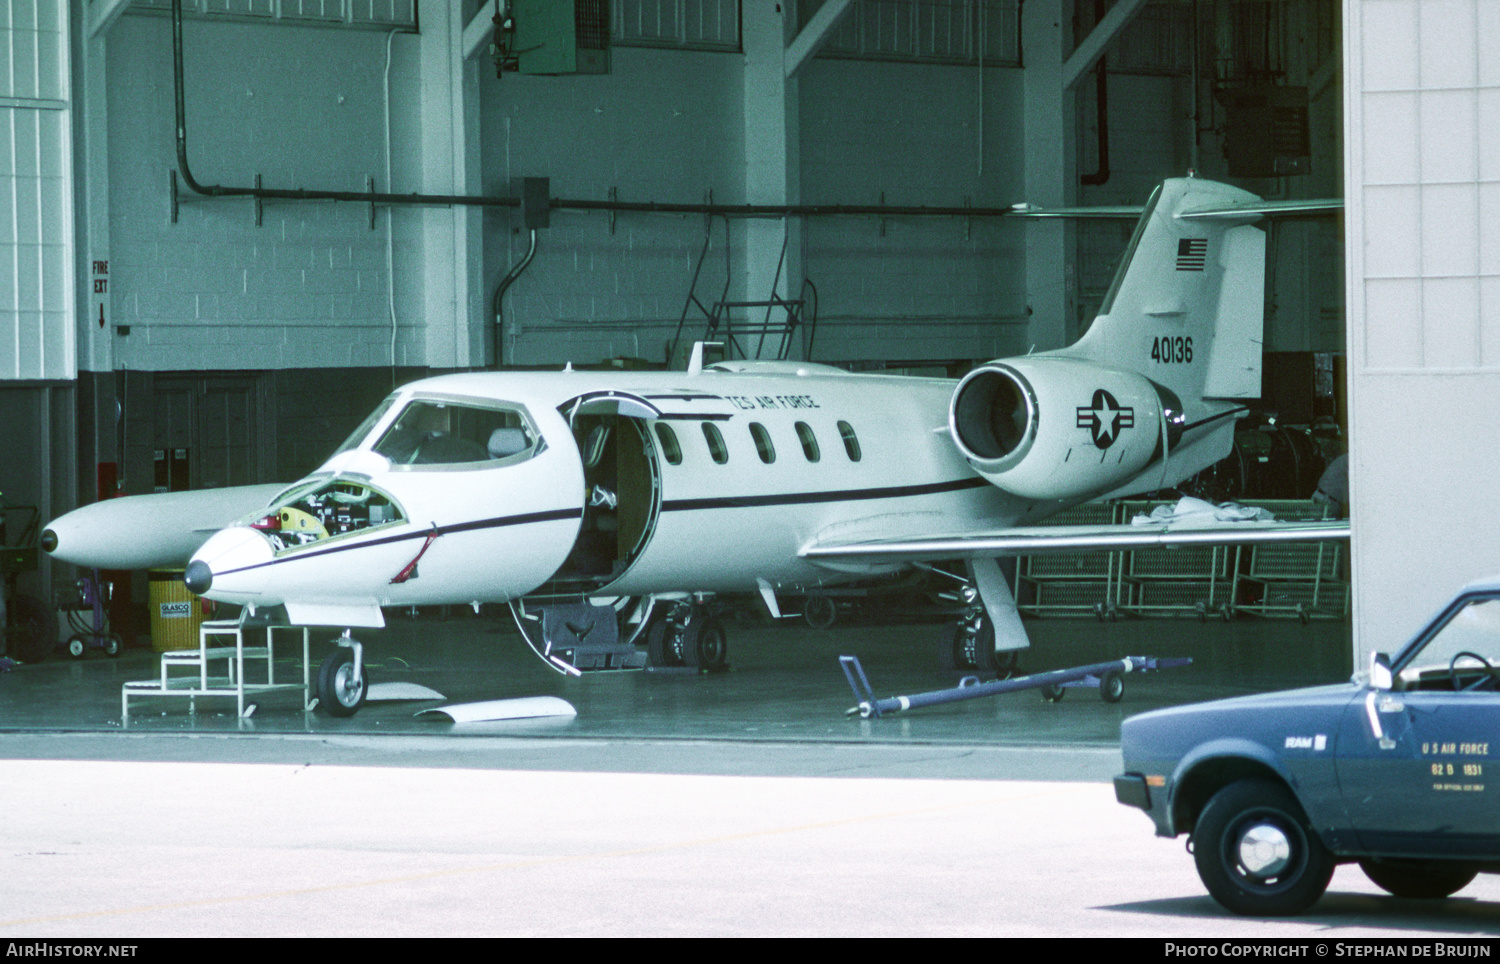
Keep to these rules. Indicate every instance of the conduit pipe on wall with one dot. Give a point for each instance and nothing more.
(498, 309)
(1101, 106)
(184, 171)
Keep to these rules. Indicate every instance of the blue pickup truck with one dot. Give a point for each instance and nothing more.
(1392, 770)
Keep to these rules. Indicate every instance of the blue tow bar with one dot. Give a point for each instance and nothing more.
(1108, 678)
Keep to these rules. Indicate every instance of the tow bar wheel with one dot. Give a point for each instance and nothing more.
(1256, 854)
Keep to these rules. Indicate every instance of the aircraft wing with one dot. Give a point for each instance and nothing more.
(1034, 540)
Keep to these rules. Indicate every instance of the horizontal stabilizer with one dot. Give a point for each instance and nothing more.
(1256, 208)
(1260, 208)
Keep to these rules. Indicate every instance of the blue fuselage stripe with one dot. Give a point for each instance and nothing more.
(806, 498)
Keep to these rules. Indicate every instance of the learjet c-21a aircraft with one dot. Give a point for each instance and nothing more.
(603, 506)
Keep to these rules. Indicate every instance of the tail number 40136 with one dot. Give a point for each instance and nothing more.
(1172, 350)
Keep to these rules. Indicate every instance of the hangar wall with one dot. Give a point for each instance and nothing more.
(306, 288)
(36, 237)
(1423, 222)
(309, 287)
(302, 303)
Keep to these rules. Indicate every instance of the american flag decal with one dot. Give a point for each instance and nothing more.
(1192, 254)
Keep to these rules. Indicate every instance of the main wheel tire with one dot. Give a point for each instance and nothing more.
(819, 611)
(985, 659)
(1419, 879)
(704, 644)
(1256, 854)
(32, 633)
(338, 694)
(663, 645)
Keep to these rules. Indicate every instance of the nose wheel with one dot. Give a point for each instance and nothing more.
(342, 681)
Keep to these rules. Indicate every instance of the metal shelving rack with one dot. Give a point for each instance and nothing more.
(1196, 580)
(1301, 580)
(1084, 583)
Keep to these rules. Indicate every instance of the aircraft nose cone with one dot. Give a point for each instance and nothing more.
(198, 578)
(49, 540)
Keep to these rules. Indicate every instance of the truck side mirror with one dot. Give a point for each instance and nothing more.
(1380, 672)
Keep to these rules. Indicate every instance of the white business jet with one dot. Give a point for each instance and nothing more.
(604, 506)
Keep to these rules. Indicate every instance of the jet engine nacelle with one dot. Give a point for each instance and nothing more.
(1059, 428)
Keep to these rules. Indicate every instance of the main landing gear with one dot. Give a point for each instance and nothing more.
(972, 646)
(687, 635)
(629, 633)
(342, 681)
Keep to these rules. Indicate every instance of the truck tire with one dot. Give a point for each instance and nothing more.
(1419, 879)
(1256, 854)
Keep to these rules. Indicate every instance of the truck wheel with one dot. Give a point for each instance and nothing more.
(1420, 879)
(1256, 854)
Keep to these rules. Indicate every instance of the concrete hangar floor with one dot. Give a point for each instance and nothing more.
(739, 803)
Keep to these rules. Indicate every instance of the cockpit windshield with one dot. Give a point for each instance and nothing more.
(445, 432)
(365, 427)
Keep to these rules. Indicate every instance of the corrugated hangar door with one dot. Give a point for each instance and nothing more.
(204, 432)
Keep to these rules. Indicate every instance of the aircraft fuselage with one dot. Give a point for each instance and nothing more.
(624, 484)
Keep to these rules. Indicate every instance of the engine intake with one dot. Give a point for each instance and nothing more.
(1060, 428)
(994, 414)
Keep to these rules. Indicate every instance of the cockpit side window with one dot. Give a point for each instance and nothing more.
(431, 432)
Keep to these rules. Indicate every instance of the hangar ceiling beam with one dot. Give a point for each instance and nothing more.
(478, 33)
(452, 243)
(1049, 172)
(814, 35)
(103, 14)
(1098, 41)
(772, 162)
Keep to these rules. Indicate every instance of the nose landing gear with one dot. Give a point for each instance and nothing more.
(342, 680)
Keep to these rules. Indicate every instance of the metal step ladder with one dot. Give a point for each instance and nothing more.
(220, 670)
(733, 323)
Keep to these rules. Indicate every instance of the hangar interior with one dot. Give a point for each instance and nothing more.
(158, 339)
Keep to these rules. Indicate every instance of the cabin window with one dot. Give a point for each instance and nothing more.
(434, 432)
(763, 446)
(851, 441)
(669, 447)
(715, 440)
(809, 442)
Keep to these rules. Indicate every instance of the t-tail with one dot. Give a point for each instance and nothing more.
(1147, 397)
(1187, 306)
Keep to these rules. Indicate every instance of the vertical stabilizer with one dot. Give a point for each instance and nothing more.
(1186, 307)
